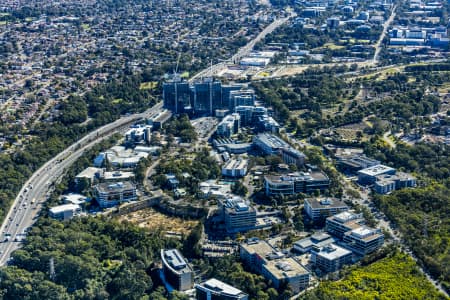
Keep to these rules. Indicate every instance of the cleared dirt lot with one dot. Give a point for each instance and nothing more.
(154, 220)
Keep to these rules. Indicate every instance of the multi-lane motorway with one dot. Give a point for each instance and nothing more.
(29, 201)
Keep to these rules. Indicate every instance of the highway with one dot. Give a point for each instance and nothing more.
(243, 51)
(23, 212)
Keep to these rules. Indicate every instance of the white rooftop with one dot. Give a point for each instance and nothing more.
(218, 285)
(376, 170)
(65, 207)
(333, 251)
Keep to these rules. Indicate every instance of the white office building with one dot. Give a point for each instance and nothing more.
(235, 167)
(65, 211)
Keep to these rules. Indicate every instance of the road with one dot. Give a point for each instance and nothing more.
(382, 35)
(243, 51)
(22, 213)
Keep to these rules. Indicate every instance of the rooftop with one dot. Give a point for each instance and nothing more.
(219, 286)
(376, 170)
(175, 260)
(285, 268)
(317, 203)
(345, 217)
(110, 187)
(262, 248)
(65, 207)
(271, 140)
(365, 233)
(89, 172)
(118, 175)
(333, 251)
(234, 163)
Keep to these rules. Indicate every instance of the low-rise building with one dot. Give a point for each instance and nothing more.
(238, 214)
(229, 125)
(213, 289)
(319, 240)
(269, 144)
(364, 240)
(89, 174)
(318, 209)
(331, 257)
(343, 222)
(177, 272)
(263, 259)
(65, 211)
(286, 271)
(292, 156)
(112, 194)
(235, 167)
(120, 157)
(76, 199)
(369, 175)
(385, 184)
(299, 182)
(355, 162)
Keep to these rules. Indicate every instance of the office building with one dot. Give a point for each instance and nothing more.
(385, 184)
(250, 114)
(318, 209)
(235, 167)
(355, 162)
(112, 194)
(263, 259)
(369, 175)
(286, 271)
(241, 98)
(294, 183)
(331, 257)
(238, 214)
(292, 156)
(89, 175)
(138, 134)
(343, 222)
(213, 289)
(65, 211)
(364, 240)
(120, 157)
(176, 269)
(207, 96)
(269, 144)
(229, 125)
(319, 240)
(177, 96)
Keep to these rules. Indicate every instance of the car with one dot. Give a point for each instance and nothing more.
(17, 224)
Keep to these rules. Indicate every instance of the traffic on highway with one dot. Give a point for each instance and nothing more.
(29, 202)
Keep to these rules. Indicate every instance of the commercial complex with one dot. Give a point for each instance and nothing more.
(238, 214)
(294, 183)
(235, 167)
(355, 162)
(64, 212)
(318, 209)
(331, 257)
(203, 97)
(388, 183)
(319, 240)
(364, 240)
(339, 224)
(263, 259)
(111, 194)
(213, 289)
(286, 271)
(229, 125)
(269, 144)
(385, 179)
(176, 269)
(292, 156)
(369, 175)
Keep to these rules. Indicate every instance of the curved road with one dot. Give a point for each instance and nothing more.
(23, 212)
